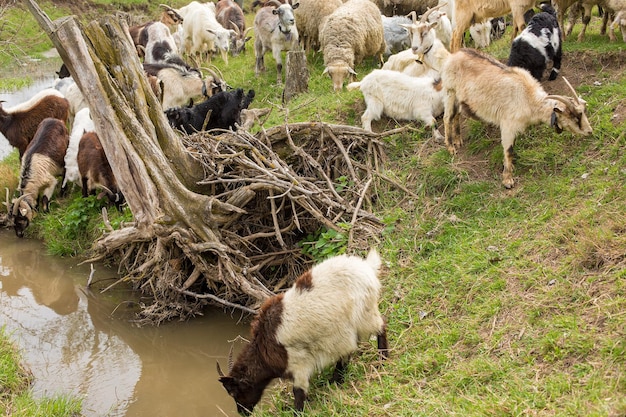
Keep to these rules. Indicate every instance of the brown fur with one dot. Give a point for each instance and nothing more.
(19, 127)
(94, 167)
(305, 281)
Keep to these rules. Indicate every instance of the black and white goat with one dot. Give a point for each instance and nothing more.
(316, 323)
(220, 111)
(538, 44)
(509, 97)
(41, 164)
(19, 123)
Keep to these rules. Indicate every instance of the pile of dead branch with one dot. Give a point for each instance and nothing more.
(280, 186)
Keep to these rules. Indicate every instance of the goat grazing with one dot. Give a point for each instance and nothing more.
(202, 32)
(230, 15)
(538, 44)
(42, 162)
(316, 323)
(220, 111)
(352, 32)
(95, 170)
(19, 123)
(508, 97)
(402, 97)
(82, 124)
(472, 11)
(275, 30)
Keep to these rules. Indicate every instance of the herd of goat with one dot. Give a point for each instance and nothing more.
(424, 74)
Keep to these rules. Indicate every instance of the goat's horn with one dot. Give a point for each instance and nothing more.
(230, 359)
(413, 16)
(424, 17)
(273, 2)
(235, 27)
(565, 100)
(571, 88)
(219, 369)
(171, 9)
(16, 204)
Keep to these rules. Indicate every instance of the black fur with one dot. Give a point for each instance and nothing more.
(225, 108)
(545, 27)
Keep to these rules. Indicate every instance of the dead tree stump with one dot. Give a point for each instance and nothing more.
(296, 75)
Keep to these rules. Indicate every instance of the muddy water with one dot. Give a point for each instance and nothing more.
(78, 341)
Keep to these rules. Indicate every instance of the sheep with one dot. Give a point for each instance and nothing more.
(353, 31)
(230, 15)
(310, 15)
(401, 96)
(220, 111)
(19, 123)
(82, 124)
(267, 38)
(95, 171)
(316, 323)
(202, 32)
(539, 43)
(471, 11)
(508, 97)
(41, 164)
(396, 35)
(178, 87)
(403, 7)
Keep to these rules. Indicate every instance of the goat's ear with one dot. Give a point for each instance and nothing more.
(295, 6)
(325, 71)
(554, 122)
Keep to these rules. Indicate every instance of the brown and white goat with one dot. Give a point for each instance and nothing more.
(230, 15)
(316, 323)
(19, 123)
(469, 12)
(42, 162)
(508, 97)
(95, 170)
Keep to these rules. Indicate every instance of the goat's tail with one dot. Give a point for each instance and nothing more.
(353, 86)
(373, 259)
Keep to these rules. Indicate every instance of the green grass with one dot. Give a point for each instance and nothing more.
(15, 397)
(499, 302)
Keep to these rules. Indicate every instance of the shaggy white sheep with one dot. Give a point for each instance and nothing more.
(310, 16)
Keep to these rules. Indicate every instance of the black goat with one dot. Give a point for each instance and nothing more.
(539, 43)
(220, 111)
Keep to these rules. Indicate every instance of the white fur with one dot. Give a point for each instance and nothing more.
(82, 124)
(481, 33)
(159, 32)
(400, 96)
(201, 30)
(28, 104)
(323, 324)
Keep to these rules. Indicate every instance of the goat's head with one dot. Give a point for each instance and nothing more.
(422, 32)
(286, 18)
(570, 113)
(245, 394)
(238, 40)
(338, 73)
(21, 214)
(170, 16)
(221, 38)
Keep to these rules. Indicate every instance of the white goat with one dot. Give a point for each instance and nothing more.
(316, 323)
(82, 124)
(402, 97)
(406, 62)
(275, 30)
(508, 97)
(202, 32)
(481, 33)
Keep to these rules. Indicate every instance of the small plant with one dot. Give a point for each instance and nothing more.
(326, 243)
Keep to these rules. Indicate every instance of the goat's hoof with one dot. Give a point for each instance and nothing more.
(508, 183)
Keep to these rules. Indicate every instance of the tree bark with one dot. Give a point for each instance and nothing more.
(296, 75)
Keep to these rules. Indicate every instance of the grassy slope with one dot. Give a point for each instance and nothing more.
(499, 302)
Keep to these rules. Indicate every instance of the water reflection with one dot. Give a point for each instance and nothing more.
(74, 344)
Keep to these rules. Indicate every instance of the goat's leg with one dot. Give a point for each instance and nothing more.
(340, 370)
(300, 387)
(508, 141)
(383, 344)
(586, 20)
(449, 115)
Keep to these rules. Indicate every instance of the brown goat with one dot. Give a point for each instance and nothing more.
(20, 123)
(95, 170)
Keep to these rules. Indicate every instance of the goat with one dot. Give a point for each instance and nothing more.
(170, 17)
(428, 49)
(508, 97)
(539, 43)
(220, 111)
(41, 164)
(95, 170)
(352, 32)
(316, 323)
(178, 87)
(400, 96)
(275, 30)
(19, 123)
(481, 33)
(230, 15)
(202, 32)
(82, 124)
(443, 29)
(472, 11)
